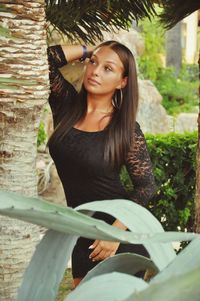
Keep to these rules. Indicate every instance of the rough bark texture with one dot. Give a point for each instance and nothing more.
(21, 104)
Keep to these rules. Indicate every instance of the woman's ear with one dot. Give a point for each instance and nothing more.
(123, 83)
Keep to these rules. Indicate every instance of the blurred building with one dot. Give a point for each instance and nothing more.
(191, 38)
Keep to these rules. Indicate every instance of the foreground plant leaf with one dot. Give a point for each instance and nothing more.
(68, 220)
(185, 261)
(42, 278)
(107, 287)
(127, 263)
(63, 219)
(177, 288)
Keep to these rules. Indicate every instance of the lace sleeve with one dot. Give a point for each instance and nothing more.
(61, 90)
(139, 167)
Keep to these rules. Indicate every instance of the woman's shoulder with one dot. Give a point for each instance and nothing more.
(137, 128)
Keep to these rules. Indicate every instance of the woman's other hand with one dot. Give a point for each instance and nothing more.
(103, 249)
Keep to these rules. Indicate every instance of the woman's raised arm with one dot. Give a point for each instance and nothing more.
(76, 52)
(62, 92)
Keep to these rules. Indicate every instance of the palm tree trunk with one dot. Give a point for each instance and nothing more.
(23, 59)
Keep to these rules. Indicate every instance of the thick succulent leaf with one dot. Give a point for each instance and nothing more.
(62, 219)
(46, 269)
(137, 219)
(186, 261)
(108, 287)
(68, 220)
(178, 288)
(127, 263)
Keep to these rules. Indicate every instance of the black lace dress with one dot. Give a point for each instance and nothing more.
(80, 165)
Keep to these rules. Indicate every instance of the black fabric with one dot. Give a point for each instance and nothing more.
(82, 264)
(80, 165)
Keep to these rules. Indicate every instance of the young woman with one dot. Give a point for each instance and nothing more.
(96, 133)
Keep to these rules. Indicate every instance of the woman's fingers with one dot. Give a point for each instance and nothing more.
(102, 250)
(100, 256)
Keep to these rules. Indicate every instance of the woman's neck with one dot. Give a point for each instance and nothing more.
(99, 104)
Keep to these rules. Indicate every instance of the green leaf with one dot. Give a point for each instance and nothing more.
(68, 220)
(178, 288)
(127, 263)
(85, 20)
(63, 219)
(108, 287)
(137, 219)
(186, 261)
(46, 269)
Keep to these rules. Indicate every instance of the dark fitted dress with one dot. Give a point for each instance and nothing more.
(84, 174)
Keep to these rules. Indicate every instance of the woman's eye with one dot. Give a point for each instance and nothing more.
(92, 61)
(108, 68)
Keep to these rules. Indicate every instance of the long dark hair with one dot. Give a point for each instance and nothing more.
(120, 131)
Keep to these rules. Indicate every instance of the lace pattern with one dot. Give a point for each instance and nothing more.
(139, 167)
(62, 92)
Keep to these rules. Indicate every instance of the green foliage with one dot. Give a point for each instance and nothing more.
(179, 94)
(42, 136)
(173, 159)
(85, 20)
(174, 11)
(113, 279)
(151, 60)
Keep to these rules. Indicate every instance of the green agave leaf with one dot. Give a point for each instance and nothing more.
(137, 219)
(63, 219)
(174, 236)
(185, 261)
(127, 263)
(67, 220)
(42, 278)
(108, 287)
(178, 288)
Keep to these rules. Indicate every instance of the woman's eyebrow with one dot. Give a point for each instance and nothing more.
(110, 62)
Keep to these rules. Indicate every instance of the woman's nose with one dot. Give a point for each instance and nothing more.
(96, 71)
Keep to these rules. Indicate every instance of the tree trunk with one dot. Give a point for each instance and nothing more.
(197, 193)
(173, 48)
(21, 105)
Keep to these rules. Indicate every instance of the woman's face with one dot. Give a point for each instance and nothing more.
(104, 72)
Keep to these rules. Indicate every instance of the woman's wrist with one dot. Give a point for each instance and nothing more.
(85, 53)
(77, 52)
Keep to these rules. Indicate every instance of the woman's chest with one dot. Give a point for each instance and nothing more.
(80, 152)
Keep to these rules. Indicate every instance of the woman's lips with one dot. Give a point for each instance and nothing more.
(93, 81)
